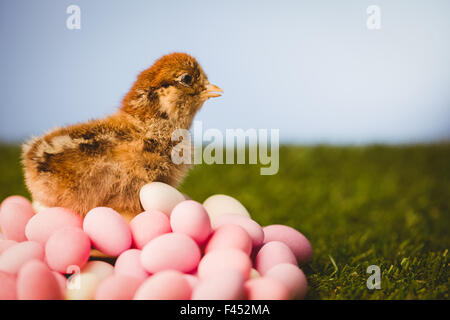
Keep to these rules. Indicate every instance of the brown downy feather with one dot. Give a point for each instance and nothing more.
(105, 162)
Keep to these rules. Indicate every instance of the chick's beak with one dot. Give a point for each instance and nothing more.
(211, 91)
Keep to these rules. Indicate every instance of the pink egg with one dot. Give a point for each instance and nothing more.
(62, 282)
(189, 217)
(271, 254)
(147, 226)
(16, 199)
(66, 247)
(46, 222)
(165, 285)
(118, 287)
(230, 236)
(252, 227)
(266, 289)
(254, 273)
(292, 277)
(193, 280)
(221, 260)
(100, 269)
(297, 242)
(129, 264)
(14, 216)
(5, 244)
(7, 286)
(108, 231)
(35, 281)
(228, 285)
(174, 251)
(16, 256)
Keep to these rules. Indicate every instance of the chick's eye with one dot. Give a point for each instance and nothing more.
(186, 79)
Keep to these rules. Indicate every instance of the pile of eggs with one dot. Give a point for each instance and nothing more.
(176, 249)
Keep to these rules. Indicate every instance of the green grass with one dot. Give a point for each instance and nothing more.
(359, 206)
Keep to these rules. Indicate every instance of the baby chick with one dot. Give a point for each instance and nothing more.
(105, 162)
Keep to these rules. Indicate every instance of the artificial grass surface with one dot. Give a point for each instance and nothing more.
(359, 206)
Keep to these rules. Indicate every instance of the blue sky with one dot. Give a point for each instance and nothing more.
(309, 68)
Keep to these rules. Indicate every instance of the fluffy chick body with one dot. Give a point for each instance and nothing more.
(105, 162)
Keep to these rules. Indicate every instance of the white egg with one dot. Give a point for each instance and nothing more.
(254, 274)
(160, 196)
(82, 286)
(220, 204)
(101, 269)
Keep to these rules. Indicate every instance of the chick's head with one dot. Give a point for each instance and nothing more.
(174, 87)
